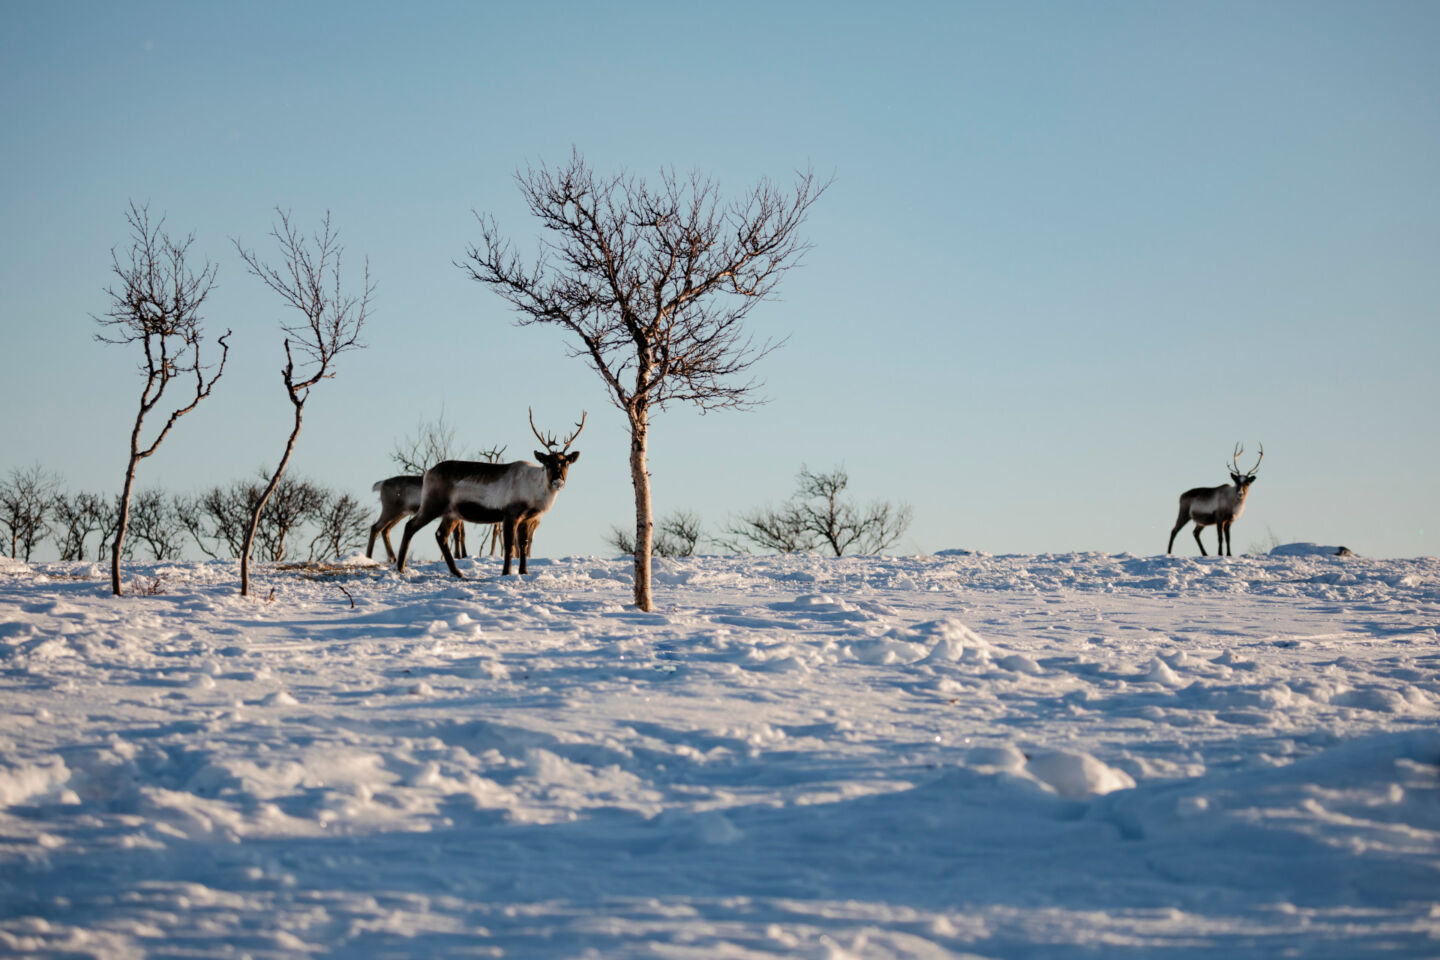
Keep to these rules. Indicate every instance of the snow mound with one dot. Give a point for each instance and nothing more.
(1076, 774)
(1309, 550)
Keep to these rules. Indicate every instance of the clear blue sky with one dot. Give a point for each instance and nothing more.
(1072, 254)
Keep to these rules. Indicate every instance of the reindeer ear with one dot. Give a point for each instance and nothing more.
(575, 456)
(540, 456)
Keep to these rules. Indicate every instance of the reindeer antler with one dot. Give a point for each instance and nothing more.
(1236, 460)
(550, 441)
(1251, 471)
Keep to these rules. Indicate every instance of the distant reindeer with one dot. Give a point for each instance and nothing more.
(514, 495)
(1220, 505)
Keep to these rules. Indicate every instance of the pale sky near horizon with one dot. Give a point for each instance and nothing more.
(1072, 254)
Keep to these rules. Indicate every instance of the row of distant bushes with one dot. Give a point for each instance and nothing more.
(302, 520)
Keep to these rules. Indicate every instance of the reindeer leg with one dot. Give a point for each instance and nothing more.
(412, 526)
(1198, 542)
(385, 538)
(460, 541)
(1171, 545)
(1225, 535)
(443, 533)
(508, 529)
(522, 545)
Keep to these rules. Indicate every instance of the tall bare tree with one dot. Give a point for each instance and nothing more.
(307, 280)
(155, 301)
(27, 501)
(652, 283)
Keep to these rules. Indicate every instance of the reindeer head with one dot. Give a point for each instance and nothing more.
(556, 462)
(1242, 481)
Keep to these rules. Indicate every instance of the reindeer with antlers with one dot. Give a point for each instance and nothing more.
(1220, 505)
(513, 495)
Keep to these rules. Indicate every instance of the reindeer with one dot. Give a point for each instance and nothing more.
(511, 494)
(1220, 505)
(399, 498)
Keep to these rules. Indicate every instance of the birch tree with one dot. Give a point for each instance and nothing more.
(155, 302)
(308, 280)
(651, 285)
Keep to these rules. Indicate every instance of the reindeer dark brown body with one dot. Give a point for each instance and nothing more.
(1220, 505)
(513, 495)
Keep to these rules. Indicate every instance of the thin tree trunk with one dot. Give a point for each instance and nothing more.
(123, 521)
(259, 507)
(640, 479)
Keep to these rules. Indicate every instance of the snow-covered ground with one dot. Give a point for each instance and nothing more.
(950, 756)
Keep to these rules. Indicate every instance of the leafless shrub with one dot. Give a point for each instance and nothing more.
(79, 515)
(676, 536)
(341, 524)
(782, 530)
(817, 518)
(433, 442)
(219, 518)
(155, 523)
(27, 499)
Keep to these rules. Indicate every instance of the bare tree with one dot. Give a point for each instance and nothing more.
(154, 522)
(27, 500)
(653, 284)
(817, 518)
(676, 536)
(155, 302)
(308, 280)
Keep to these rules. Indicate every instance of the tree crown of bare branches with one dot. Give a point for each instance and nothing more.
(309, 280)
(652, 282)
(156, 302)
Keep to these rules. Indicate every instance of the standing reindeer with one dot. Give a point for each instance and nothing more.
(399, 498)
(511, 494)
(1220, 505)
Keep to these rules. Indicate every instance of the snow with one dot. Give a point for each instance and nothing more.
(958, 755)
(1308, 550)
